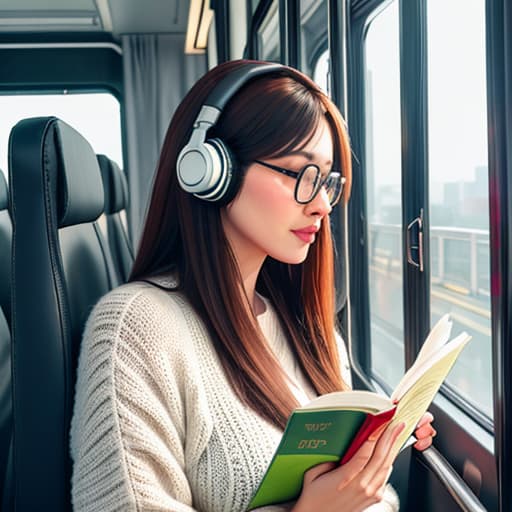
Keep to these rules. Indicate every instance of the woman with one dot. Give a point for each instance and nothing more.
(188, 374)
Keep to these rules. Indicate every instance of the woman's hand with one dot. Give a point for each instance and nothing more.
(357, 484)
(424, 432)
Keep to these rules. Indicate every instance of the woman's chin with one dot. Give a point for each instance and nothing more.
(292, 258)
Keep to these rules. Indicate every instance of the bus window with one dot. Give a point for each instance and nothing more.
(459, 188)
(269, 47)
(321, 71)
(254, 5)
(95, 115)
(383, 189)
(313, 28)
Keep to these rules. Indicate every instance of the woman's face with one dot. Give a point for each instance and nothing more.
(265, 220)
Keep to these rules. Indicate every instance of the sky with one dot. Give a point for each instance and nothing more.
(96, 116)
(456, 87)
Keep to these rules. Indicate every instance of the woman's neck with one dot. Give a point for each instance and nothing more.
(249, 281)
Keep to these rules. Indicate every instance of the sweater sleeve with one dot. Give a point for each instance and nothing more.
(128, 429)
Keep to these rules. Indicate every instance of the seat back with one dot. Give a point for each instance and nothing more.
(60, 269)
(5, 407)
(5, 335)
(5, 250)
(116, 203)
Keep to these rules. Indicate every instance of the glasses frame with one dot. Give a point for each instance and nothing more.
(298, 175)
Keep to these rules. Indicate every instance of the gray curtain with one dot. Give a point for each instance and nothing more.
(157, 75)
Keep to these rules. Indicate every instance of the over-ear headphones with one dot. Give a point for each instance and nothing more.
(205, 168)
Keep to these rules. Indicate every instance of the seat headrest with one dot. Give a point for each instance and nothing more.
(114, 185)
(81, 197)
(4, 192)
(52, 148)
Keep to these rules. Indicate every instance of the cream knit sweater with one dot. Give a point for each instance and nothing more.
(156, 424)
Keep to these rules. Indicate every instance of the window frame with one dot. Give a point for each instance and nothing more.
(256, 20)
(70, 91)
(499, 83)
(460, 436)
(320, 41)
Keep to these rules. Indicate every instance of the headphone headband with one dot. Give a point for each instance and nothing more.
(232, 83)
(205, 168)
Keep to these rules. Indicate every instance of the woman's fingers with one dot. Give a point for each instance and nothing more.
(428, 417)
(357, 484)
(377, 470)
(360, 459)
(384, 447)
(423, 444)
(312, 474)
(425, 431)
(371, 459)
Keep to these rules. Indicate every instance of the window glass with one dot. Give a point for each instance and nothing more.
(383, 189)
(459, 203)
(269, 47)
(321, 72)
(314, 59)
(95, 115)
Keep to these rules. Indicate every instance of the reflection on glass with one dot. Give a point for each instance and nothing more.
(314, 59)
(321, 72)
(383, 182)
(458, 173)
(269, 47)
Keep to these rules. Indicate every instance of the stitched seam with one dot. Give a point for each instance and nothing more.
(58, 274)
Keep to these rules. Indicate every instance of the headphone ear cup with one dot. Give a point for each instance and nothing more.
(235, 177)
(207, 171)
(198, 168)
(223, 161)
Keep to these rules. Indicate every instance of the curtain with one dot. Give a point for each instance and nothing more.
(157, 75)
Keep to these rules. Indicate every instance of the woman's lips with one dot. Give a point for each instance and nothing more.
(307, 236)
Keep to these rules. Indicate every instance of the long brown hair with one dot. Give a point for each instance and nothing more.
(270, 115)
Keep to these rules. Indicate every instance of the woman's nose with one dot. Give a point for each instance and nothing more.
(320, 205)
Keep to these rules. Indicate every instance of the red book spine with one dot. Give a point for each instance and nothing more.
(369, 426)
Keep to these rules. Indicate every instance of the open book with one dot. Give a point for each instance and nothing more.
(333, 426)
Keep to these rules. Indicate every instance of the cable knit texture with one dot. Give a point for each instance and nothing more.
(156, 425)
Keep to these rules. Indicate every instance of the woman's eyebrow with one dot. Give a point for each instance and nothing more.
(306, 154)
(302, 152)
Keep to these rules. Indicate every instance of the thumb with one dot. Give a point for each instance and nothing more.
(312, 474)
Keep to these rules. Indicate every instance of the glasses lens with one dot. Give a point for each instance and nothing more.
(333, 186)
(308, 183)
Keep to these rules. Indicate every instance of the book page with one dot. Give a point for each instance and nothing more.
(437, 337)
(421, 366)
(414, 403)
(357, 400)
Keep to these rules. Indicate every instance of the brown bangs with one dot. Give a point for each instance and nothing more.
(287, 119)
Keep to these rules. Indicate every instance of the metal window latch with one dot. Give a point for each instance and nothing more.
(415, 242)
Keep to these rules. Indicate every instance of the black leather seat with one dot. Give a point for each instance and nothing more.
(60, 269)
(5, 250)
(5, 336)
(5, 409)
(116, 203)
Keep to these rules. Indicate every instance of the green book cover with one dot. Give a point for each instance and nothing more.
(311, 437)
(332, 427)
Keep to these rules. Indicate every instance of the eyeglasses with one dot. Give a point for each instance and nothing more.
(310, 181)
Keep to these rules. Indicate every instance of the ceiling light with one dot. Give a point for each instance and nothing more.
(199, 19)
(16, 19)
